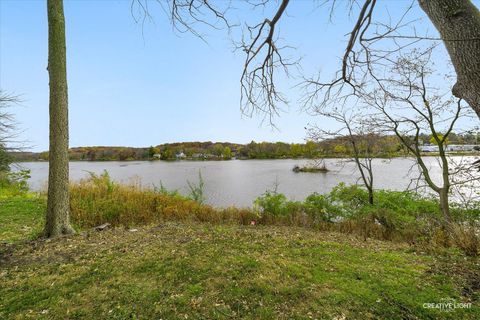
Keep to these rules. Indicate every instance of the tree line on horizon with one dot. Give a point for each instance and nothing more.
(384, 146)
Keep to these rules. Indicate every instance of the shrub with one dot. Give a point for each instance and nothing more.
(273, 204)
(466, 239)
(348, 199)
(14, 182)
(320, 208)
(273, 207)
(404, 202)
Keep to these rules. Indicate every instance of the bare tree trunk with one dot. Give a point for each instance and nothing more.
(58, 211)
(458, 22)
(444, 205)
(370, 196)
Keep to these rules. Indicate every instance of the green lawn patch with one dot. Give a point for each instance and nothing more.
(21, 217)
(200, 271)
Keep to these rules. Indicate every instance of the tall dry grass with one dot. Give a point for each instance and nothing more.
(99, 200)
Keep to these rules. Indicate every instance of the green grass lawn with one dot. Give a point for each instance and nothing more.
(205, 271)
(21, 216)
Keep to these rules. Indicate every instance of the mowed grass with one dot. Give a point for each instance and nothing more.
(218, 272)
(187, 270)
(21, 216)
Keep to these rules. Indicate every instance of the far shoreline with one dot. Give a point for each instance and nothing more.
(470, 154)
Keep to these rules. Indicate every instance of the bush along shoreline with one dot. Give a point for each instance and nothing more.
(396, 216)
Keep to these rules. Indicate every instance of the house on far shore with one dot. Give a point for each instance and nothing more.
(428, 148)
(460, 147)
(181, 155)
(450, 148)
(157, 156)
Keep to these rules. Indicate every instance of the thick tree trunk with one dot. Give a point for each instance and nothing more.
(458, 22)
(58, 208)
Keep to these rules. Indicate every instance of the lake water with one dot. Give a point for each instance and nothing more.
(239, 182)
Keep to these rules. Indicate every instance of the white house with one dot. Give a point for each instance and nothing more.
(181, 155)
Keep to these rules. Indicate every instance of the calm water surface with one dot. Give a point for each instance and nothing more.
(238, 182)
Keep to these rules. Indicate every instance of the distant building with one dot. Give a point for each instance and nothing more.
(450, 148)
(181, 155)
(428, 148)
(460, 147)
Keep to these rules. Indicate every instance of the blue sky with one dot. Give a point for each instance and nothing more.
(138, 89)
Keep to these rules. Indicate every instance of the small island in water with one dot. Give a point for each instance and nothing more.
(315, 166)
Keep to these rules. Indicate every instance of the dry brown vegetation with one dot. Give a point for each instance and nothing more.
(100, 200)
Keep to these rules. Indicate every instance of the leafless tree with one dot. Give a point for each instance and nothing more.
(264, 54)
(458, 22)
(8, 130)
(372, 42)
(408, 105)
(358, 134)
(7, 121)
(260, 44)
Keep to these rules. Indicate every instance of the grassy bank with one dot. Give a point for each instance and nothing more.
(199, 271)
(169, 257)
(21, 214)
(395, 216)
